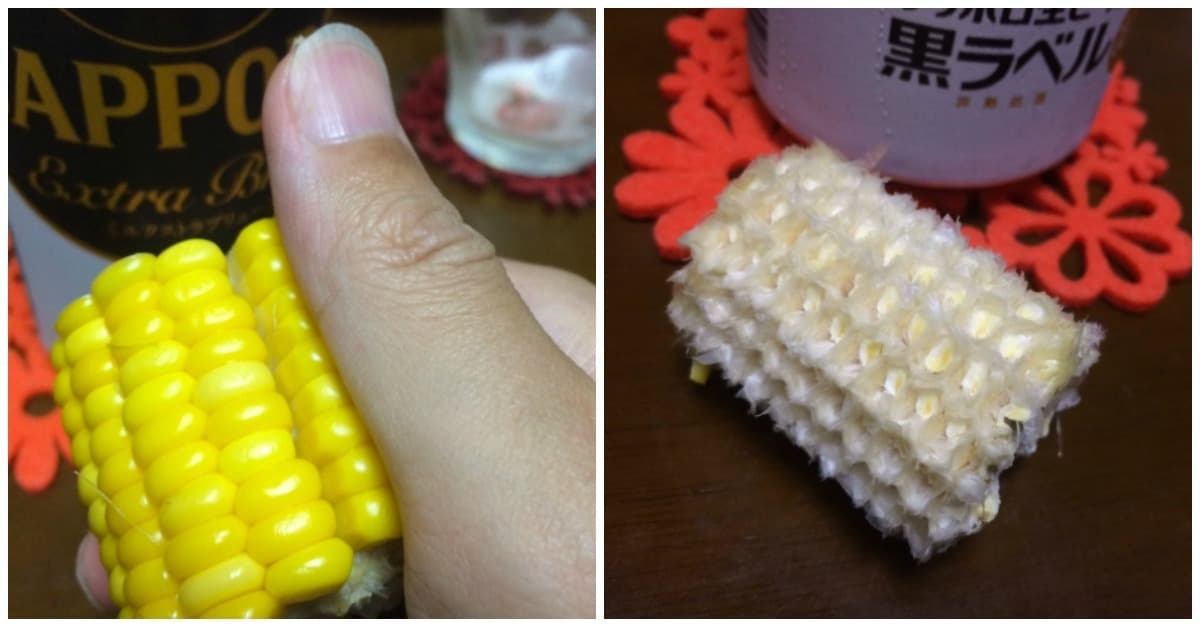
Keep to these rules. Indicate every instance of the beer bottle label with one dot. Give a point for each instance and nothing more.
(132, 130)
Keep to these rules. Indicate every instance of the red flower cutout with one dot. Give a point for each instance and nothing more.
(35, 441)
(722, 82)
(681, 176)
(1130, 239)
(1118, 121)
(719, 34)
(1143, 161)
(975, 237)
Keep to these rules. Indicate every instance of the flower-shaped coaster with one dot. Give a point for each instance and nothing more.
(36, 438)
(422, 112)
(1130, 238)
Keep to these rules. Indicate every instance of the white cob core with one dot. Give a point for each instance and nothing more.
(912, 367)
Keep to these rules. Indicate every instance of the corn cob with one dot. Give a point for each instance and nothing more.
(205, 502)
(912, 368)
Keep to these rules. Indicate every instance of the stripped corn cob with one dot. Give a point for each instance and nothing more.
(913, 368)
(205, 502)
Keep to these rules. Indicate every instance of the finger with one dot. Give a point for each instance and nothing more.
(563, 304)
(90, 574)
(479, 416)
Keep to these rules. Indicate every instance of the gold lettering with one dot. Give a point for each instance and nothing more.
(96, 111)
(235, 89)
(30, 73)
(170, 110)
(52, 166)
(240, 177)
(172, 200)
(48, 179)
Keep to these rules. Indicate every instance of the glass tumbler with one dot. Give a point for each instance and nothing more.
(522, 87)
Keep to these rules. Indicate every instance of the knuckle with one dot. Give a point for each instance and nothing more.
(399, 247)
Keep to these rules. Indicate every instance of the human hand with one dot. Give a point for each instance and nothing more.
(473, 374)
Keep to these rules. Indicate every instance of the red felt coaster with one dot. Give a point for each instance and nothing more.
(1130, 239)
(35, 440)
(422, 112)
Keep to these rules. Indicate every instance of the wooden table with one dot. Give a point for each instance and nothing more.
(45, 529)
(709, 512)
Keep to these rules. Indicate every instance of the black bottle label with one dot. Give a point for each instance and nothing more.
(132, 130)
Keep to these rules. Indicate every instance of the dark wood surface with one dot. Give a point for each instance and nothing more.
(709, 512)
(45, 529)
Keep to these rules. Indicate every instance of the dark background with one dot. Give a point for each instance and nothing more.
(45, 529)
(709, 512)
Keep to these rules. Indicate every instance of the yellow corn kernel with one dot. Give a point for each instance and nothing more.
(81, 448)
(140, 329)
(203, 499)
(175, 426)
(63, 394)
(58, 358)
(127, 612)
(224, 346)
(141, 545)
(322, 394)
(91, 371)
(116, 585)
(368, 517)
(253, 239)
(330, 435)
(132, 299)
(72, 418)
(89, 479)
(108, 552)
(102, 405)
(231, 381)
(123, 272)
(257, 604)
(107, 439)
(89, 337)
(118, 472)
(162, 608)
(286, 485)
(216, 584)
(304, 363)
(255, 453)
(129, 507)
(280, 303)
(154, 396)
(75, 314)
(98, 518)
(204, 546)
(248, 414)
(152, 361)
(310, 572)
(268, 271)
(193, 289)
(699, 373)
(148, 582)
(281, 535)
(231, 312)
(186, 256)
(291, 330)
(356, 471)
(177, 467)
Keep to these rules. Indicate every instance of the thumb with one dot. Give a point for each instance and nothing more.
(450, 370)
